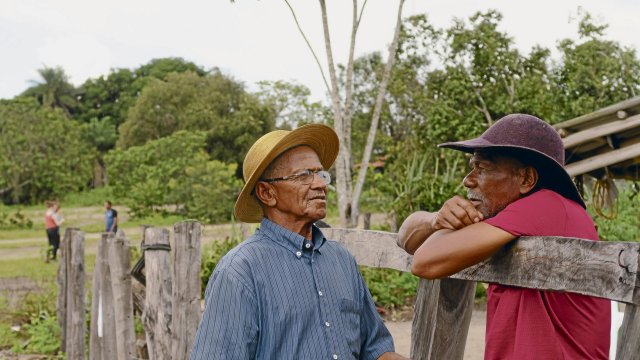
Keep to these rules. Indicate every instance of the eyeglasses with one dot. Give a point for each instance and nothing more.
(305, 178)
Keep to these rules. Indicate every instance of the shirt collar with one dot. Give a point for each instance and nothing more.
(294, 242)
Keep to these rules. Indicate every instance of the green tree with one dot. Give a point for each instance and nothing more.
(53, 90)
(594, 72)
(42, 152)
(232, 118)
(291, 104)
(174, 174)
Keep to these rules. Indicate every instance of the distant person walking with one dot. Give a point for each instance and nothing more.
(52, 221)
(110, 218)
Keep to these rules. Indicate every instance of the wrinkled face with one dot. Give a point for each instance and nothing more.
(493, 182)
(296, 201)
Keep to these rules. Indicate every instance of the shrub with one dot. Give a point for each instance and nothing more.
(390, 288)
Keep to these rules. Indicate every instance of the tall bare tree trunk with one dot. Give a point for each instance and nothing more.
(375, 119)
(342, 113)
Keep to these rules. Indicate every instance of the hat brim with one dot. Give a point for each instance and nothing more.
(555, 175)
(321, 138)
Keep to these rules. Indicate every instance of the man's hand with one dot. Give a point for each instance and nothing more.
(455, 214)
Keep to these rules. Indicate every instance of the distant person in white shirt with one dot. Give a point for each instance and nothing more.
(52, 221)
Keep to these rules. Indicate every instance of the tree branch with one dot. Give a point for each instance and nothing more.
(315, 57)
(393, 48)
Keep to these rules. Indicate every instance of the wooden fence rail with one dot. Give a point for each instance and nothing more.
(443, 308)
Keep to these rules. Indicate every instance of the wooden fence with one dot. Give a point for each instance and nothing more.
(171, 300)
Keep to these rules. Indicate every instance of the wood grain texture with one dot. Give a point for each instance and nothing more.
(102, 339)
(157, 309)
(441, 319)
(120, 265)
(186, 259)
(597, 268)
(75, 297)
(61, 279)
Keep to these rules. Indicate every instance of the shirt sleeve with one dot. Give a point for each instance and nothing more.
(229, 325)
(376, 339)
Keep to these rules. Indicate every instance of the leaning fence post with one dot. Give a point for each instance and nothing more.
(157, 309)
(441, 319)
(185, 255)
(75, 333)
(120, 263)
(102, 340)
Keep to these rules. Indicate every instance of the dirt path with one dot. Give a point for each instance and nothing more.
(474, 350)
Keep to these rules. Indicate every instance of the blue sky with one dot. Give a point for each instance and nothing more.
(249, 39)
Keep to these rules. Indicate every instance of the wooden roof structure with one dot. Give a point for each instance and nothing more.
(604, 143)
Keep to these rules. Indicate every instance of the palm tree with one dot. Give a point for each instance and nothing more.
(54, 89)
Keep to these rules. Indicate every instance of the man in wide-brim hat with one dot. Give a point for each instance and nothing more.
(287, 292)
(517, 186)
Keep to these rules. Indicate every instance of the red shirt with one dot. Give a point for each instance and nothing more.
(531, 324)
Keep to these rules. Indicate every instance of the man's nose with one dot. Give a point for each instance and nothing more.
(469, 180)
(317, 182)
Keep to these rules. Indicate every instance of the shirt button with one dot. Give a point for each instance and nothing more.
(307, 245)
(320, 293)
(335, 356)
(298, 254)
(327, 324)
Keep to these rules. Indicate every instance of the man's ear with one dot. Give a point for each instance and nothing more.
(265, 194)
(529, 179)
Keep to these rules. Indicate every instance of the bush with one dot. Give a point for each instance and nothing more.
(16, 220)
(390, 288)
(43, 335)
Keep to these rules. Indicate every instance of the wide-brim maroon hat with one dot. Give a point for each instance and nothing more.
(527, 136)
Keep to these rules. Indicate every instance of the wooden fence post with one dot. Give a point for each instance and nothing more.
(629, 339)
(157, 309)
(75, 333)
(61, 305)
(441, 319)
(102, 340)
(186, 259)
(120, 265)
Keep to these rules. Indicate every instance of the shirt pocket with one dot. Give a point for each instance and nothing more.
(350, 317)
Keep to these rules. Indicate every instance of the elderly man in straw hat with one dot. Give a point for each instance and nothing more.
(517, 186)
(287, 292)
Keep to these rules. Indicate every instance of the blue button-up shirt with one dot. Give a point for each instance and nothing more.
(280, 296)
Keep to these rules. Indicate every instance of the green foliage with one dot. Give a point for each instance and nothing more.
(290, 102)
(390, 288)
(43, 335)
(173, 174)
(42, 153)
(16, 220)
(211, 255)
(91, 197)
(215, 103)
(54, 90)
(624, 226)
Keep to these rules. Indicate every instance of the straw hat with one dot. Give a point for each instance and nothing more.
(527, 136)
(321, 138)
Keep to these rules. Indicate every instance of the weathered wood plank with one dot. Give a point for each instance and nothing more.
(157, 309)
(102, 339)
(75, 297)
(120, 263)
(186, 259)
(441, 319)
(597, 268)
(600, 131)
(629, 340)
(602, 160)
(61, 304)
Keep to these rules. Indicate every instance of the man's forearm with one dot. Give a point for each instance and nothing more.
(415, 230)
